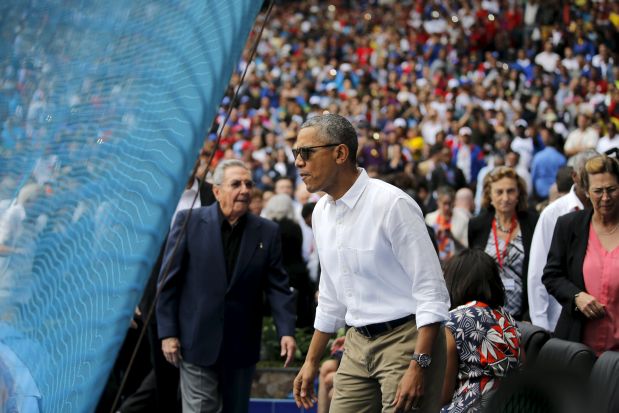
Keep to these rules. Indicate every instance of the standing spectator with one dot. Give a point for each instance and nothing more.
(548, 59)
(449, 225)
(378, 276)
(483, 342)
(467, 156)
(543, 308)
(610, 140)
(280, 209)
(545, 165)
(210, 321)
(504, 231)
(465, 202)
(581, 272)
(523, 142)
(445, 173)
(255, 202)
(582, 138)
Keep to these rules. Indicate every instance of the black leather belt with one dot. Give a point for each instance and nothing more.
(374, 330)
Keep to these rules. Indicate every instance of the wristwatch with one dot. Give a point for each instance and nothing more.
(422, 359)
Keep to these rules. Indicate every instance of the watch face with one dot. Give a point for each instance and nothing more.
(424, 360)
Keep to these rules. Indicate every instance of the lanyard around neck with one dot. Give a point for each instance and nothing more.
(502, 256)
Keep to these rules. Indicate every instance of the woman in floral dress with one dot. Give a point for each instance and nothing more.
(483, 343)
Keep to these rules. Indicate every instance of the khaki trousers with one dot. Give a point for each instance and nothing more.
(371, 369)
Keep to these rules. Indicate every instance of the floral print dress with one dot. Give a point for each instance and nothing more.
(488, 347)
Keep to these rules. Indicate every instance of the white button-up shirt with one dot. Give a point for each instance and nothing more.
(544, 309)
(378, 263)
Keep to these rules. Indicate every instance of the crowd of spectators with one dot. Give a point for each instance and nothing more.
(483, 79)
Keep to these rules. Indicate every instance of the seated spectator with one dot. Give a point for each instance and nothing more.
(483, 342)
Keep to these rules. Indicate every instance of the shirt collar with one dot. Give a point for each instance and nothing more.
(222, 219)
(574, 201)
(353, 194)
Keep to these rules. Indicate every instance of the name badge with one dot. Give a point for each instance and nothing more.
(509, 284)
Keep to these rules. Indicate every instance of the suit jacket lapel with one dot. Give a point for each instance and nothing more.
(581, 236)
(249, 243)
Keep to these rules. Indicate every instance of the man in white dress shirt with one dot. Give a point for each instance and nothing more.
(543, 308)
(380, 275)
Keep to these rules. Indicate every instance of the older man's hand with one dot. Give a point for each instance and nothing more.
(171, 348)
(289, 346)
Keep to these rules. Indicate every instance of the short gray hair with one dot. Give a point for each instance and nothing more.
(335, 129)
(579, 160)
(279, 207)
(218, 175)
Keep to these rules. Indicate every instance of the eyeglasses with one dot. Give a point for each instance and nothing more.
(611, 191)
(307, 151)
(235, 184)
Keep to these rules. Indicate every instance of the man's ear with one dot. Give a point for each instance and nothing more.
(341, 154)
(575, 179)
(216, 191)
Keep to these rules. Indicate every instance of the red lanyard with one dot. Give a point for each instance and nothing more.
(500, 256)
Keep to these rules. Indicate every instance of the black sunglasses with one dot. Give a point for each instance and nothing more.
(307, 151)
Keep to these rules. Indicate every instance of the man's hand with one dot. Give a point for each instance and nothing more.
(303, 386)
(171, 348)
(410, 389)
(289, 346)
(137, 314)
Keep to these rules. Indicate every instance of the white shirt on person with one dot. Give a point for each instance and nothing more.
(543, 308)
(606, 142)
(378, 263)
(187, 200)
(578, 137)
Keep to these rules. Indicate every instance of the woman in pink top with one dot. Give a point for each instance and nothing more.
(582, 271)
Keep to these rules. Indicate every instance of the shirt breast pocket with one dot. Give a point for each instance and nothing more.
(359, 262)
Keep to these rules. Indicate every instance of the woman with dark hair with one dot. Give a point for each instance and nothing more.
(582, 270)
(504, 230)
(483, 342)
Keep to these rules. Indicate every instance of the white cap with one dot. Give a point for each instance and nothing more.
(465, 130)
(399, 123)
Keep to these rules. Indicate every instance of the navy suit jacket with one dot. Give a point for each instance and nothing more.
(217, 321)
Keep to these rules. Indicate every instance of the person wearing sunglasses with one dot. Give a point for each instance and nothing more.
(380, 275)
(219, 262)
(582, 271)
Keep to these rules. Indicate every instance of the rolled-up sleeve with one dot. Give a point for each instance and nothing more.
(414, 251)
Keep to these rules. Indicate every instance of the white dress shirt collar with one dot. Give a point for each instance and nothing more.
(351, 197)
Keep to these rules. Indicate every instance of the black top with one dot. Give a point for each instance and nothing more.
(563, 276)
(231, 236)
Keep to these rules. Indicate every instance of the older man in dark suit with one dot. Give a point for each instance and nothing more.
(210, 307)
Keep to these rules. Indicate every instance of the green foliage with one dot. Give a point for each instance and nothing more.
(269, 353)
